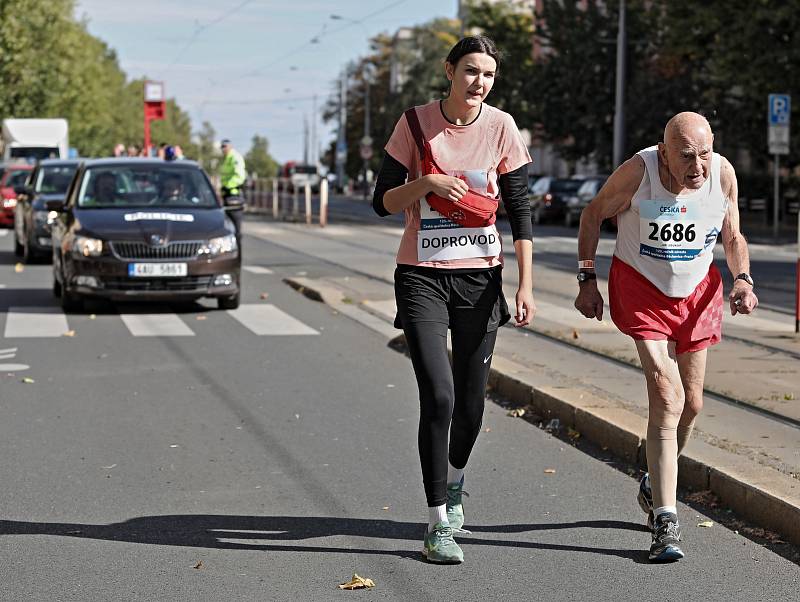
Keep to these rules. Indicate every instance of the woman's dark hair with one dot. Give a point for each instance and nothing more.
(470, 45)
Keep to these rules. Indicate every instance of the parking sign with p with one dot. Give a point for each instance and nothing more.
(780, 108)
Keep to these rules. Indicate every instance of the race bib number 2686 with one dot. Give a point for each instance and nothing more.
(670, 231)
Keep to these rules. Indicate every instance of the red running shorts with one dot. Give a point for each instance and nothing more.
(643, 312)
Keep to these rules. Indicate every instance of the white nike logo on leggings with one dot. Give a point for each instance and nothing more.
(487, 358)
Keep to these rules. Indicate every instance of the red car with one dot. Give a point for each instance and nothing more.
(11, 176)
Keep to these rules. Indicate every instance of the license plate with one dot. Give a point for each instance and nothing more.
(156, 270)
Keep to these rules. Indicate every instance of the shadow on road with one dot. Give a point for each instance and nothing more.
(227, 532)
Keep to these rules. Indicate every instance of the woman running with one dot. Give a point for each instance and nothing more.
(456, 155)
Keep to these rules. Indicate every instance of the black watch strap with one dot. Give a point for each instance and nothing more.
(746, 277)
(584, 276)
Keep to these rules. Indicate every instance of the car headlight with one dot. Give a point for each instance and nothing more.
(9, 203)
(220, 245)
(88, 247)
(40, 217)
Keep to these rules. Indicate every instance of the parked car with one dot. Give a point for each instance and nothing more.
(549, 197)
(143, 229)
(13, 175)
(48, 181)
(584, 195)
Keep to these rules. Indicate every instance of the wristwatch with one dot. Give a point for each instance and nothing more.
(746, 277)
(584, 276)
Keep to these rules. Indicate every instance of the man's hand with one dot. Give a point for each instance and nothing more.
(589, 300)
(742, 298)
(447, 187)
(526, 308)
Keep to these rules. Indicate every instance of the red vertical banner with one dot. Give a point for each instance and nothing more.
(155, 107)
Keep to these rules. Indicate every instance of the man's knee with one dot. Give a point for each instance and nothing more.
(693, 405)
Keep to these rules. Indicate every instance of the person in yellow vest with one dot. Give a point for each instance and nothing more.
(232, 177)
(232, 173)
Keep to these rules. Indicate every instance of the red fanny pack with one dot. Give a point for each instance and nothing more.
(473, 210)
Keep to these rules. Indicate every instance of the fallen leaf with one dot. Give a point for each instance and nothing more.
(386, 507)
(549, 471)
(517, 412)
(93, 317)
(488, 429)
(705, 523)
(788, 397)
(264, 295)
(110, 467)
(199, 565)
(573, 434)
(575, 334)
(28, 380)
(174, 446)
(357, 583)
(69, 333)
(201, 318)
(19, 268)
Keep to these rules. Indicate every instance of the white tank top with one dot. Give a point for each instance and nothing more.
(668, 238)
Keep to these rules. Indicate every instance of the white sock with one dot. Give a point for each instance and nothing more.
(663, 509)
(437, 514)
(454, 475)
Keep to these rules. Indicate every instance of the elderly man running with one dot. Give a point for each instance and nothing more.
(671, 202)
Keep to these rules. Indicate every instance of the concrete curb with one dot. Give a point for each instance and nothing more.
(763, 496)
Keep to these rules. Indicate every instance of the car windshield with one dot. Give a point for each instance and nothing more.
(304, 169)
(17, 177)
(123, 186)
(591, 187)
(55, 179)
(565, 185)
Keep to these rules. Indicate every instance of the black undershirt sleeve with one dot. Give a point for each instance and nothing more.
(514, 192)
(391, 175)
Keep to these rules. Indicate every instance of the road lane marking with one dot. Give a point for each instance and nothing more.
(35, 322)
(257, 269)
(13, 367)
(156, 325)
(268, 320)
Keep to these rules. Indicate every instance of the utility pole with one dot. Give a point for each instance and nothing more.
(619, 109)
(341, 141)
(366, 141)
(305, 139)
(314, 144)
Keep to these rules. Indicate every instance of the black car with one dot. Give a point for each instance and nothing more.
(548, 197)
(147, 229)
(577, 203)
(48, 182)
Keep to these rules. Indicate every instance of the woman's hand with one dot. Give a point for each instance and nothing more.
(447, 187)
(526, 308)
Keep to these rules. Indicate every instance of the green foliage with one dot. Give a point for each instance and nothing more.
(258, 159)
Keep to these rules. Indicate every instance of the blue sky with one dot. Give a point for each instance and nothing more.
(248, 66)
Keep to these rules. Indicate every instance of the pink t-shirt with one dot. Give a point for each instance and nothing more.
(478, 152)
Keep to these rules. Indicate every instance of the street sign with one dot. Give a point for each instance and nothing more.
(779, 111)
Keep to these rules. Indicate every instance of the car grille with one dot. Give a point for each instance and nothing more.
(188, 283)
(140, 250)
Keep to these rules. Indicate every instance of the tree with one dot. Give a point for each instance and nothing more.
(205, 148)
(258, 159)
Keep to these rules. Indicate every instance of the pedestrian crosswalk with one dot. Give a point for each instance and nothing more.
(51, 322)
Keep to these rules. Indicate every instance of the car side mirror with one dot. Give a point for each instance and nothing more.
(55, 205)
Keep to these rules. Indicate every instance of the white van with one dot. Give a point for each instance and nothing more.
(34, 139)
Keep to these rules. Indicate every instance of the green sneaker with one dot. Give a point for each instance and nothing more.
(440, 547)
(455, 510)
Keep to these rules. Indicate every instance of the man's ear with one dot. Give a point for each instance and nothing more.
(662, 152)
(449, 70)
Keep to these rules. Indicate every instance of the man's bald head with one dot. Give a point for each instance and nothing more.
(687, 123)
(687, 150)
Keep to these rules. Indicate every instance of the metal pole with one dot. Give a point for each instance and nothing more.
(275, 198)
(366, 131)
(619, 105)
(341, 138)
(776, 200)
(308, 203)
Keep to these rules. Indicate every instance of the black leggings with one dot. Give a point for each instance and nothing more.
(450, 397)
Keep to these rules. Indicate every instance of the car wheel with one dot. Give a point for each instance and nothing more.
(70, 302)
(231, 302)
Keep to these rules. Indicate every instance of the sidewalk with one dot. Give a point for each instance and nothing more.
(749, 459)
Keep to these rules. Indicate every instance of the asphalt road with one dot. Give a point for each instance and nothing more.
(774, 268)
(230, 462)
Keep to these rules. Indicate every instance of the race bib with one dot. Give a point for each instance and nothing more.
(441, 239)
(670, 230)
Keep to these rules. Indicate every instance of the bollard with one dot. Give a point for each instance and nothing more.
(307, 190)
(323, 203)
(295, 202)
(274, 198)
